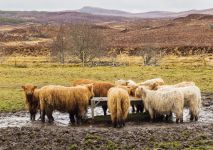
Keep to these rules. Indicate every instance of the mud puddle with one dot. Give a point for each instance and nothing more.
(21, 119)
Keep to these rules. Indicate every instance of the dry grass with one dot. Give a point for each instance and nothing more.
(11, 77)
(7, 28)
(195, 60)
(32, 42)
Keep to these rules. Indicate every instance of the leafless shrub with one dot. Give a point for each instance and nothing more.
(38, 31)
(58, 45)
(150, 56)
(87, 42)
(3, 56)
(211, 26)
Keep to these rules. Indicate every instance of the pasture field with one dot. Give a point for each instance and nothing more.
(177, 49)
(12, 77)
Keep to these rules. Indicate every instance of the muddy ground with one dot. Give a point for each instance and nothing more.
(98, 134)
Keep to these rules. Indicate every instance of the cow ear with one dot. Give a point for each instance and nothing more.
(144, 93)
(154, 86)
(142, 89)
(23, 87)
(90, 87)
(34, 87)
(135, 87)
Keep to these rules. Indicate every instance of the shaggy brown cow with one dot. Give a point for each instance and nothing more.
(100, 88)
(73, 100)
(32, 99)
(118, 104)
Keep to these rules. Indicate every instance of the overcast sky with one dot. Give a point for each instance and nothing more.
(126, 5)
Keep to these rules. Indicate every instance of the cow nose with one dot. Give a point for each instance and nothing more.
(29, 95)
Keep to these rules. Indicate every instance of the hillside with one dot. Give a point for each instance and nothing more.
(101, 11)
(59, 17)
(191, 34)
(181, 32)
(151, 14)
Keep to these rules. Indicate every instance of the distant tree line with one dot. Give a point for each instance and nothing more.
(85, 42)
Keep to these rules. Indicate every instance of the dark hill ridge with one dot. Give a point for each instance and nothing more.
(101, 11)
(151, 14)
(195, 17)
(60, 17)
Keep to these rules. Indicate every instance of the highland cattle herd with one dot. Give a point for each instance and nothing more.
(157, 99)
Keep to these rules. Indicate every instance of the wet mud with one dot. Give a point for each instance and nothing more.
(18, 132)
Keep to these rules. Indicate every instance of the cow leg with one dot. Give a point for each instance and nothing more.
(43, 115)
(133, 108)
(32, 115)
(104, 109)
(72, 118)
(49, 112)
(139, 108)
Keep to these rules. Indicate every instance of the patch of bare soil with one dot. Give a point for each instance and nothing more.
(90, 137)
(135, 135)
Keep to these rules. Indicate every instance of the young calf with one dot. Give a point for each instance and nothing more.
(32, 99)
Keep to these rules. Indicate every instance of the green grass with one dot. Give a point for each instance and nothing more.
(93, 141)
(11, 99)
(73, 147)
(200, 145)
(11, 20)
(169, 145)
(11, 78)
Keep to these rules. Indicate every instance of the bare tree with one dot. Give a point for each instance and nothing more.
(3, 56)
(211, 26)
(113, 54)
(58, 45)
(38, 30)
(87, 42)
(150, 55)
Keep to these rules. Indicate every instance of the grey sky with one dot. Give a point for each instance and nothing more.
(126, 5)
